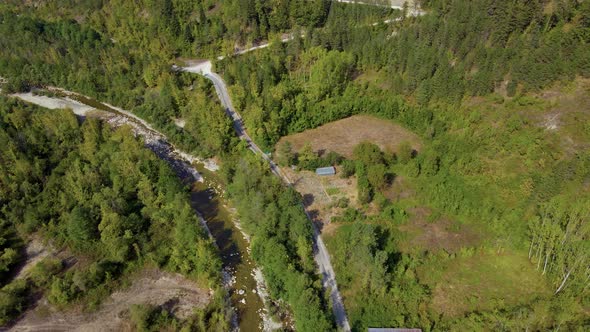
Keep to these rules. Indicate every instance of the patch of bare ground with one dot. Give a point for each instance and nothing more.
(343, 135)
(568, 113)
(172, 292)
(321, 194)
(35, 251)
(38, 249)
(440, 234)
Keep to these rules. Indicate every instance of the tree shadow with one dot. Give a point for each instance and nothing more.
(170, 305)
(308, 200)
(204, 203)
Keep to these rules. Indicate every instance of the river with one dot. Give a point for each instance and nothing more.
(241, 277)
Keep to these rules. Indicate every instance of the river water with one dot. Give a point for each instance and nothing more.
(206, 191)
(233, 247)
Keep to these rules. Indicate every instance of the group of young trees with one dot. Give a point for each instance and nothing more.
(98, 192)
(281, 239)
(560, 241)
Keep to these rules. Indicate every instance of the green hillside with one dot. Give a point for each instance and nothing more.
(491, 231)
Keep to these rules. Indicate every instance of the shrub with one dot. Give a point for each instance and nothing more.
(348, 169)
(41, 274)
(12, 300)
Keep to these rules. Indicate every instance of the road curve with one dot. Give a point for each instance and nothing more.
(321, 255)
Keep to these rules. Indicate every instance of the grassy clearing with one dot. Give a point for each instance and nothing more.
(427, 232)
(343, 135)
(332, 191)
(482, 282)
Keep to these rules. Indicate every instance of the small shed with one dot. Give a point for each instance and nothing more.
(325, 170)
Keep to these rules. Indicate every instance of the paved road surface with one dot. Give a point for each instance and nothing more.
(321, 255)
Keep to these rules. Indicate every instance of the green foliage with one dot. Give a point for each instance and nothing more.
(148, 318)
(460, 49)
(310, 160)
(13, 299)
(372, 171)
(281, 240)
(559, 242)
(62, 291)
(285, 155)
(102, 193)
(41, 274)
(384, 284)
(364, 189)
(368, 154)
(348, 169)
(349, 215)
(10, 248)
(378, 176)
(405, 152)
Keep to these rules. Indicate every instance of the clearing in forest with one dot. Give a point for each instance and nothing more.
(321, 194)
(153, 287)
(343, 135)
(425, 231)
(482, 282)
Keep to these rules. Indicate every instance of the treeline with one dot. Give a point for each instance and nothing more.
(160, 96)
(474, 47)
(99, 193)
(295, 86)
(204, 28)
(460, 49)
(73, 56)
(378, 279)
(440, 57)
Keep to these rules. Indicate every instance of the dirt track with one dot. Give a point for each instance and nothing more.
(172, 291)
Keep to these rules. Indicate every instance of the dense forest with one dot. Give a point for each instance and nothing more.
(425, 77)
(125, 75)
(102, 195)
(465, 77)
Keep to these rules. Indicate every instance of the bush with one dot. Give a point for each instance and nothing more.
(41, 274)
(350, 215)
(12, 300)
(62, 291)
(332, 159)
(348, 169)
(405, 152)
(140, 316)
(343, 202)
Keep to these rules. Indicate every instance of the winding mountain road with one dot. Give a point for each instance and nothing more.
(321, 255)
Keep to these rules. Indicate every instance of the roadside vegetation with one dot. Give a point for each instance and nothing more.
(494, 167)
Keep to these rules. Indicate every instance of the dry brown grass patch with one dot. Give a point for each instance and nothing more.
(343, 135)
(441, 234)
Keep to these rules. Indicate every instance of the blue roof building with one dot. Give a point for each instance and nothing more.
(325, 170)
